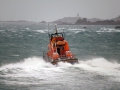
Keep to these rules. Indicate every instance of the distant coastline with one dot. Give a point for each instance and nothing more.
(72, 21)
(86, 21)
(19, 22)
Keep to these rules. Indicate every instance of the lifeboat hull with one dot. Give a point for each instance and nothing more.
(68, 60)
(71, 61)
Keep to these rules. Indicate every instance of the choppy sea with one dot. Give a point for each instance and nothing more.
(22, 67)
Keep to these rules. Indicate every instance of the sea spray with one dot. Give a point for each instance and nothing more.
(28, 63)
(101, 66)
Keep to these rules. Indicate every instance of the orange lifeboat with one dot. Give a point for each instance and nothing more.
(58, 50)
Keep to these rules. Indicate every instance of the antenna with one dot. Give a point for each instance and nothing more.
(77, 14)
(64, 33)
(55, 29)
(48, 31)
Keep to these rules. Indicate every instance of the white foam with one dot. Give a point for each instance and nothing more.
(15, 55)
(29, 63)
(63, 64)
(102, 67)
(41, 31)
(76, 29)
(108, 30)
(35, 67)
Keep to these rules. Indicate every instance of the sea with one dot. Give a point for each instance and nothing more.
(22, 67)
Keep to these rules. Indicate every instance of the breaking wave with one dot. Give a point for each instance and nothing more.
(103, 29)
(29, 63)
(101, 66)
(36, 68)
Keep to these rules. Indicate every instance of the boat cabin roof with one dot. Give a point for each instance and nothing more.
(57, 35)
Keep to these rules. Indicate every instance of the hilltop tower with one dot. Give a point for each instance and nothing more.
(77, 14)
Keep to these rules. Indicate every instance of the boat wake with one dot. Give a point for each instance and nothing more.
(32, 63)
(103, 67)
(36, 69)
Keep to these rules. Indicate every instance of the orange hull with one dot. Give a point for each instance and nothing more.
(68, 60)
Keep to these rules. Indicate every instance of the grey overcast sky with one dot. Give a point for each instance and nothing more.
(50, 10)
